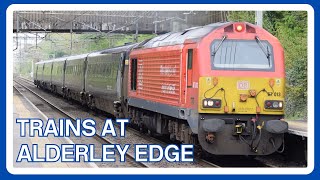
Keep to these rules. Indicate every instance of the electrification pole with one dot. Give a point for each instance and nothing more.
(259, 18)
(71, 38)
(137, 32)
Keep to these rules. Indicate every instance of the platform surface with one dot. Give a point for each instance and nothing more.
(298, 127)
(22, 108)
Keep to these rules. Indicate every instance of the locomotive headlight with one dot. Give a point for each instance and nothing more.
(205, 103)
(273, 104)
(239, 28)
(280, 104)
(210, 103)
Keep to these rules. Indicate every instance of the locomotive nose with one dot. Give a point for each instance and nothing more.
(241, 95)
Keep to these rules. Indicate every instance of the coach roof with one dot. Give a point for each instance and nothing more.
(52, 60)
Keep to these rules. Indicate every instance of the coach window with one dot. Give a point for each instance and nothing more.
(133, 74)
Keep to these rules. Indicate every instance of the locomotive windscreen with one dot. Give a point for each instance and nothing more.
(231, 54)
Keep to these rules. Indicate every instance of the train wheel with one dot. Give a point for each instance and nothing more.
(92, 104)
(82, 99)
(143, 129)
(150, 133)
(55, 90)
(69, 98)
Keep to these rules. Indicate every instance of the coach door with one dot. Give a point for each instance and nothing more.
(36, 74)
(84, 70)
(124, 80)
(64, 73)
(124, 76)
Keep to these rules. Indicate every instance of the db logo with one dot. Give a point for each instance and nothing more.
(243, 85)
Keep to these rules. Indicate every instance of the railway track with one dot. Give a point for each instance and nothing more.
(22, 83)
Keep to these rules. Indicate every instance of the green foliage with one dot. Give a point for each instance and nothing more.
(290, 27)
(247, 16)
(58, 54)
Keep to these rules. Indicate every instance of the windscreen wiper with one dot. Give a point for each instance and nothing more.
(265, 50)
(216, 49)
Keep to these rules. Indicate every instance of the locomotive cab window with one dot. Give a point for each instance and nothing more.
(133, 74)
(245, 55)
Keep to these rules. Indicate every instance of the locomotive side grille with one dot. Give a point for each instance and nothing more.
(158, 77)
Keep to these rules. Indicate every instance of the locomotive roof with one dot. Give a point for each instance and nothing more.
(174, 38)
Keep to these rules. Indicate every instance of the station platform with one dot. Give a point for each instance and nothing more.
(298, 127)
(23, 108)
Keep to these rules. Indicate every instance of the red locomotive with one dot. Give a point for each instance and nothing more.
(221, 85)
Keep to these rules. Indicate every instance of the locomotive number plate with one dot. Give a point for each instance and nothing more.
(243, 85)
